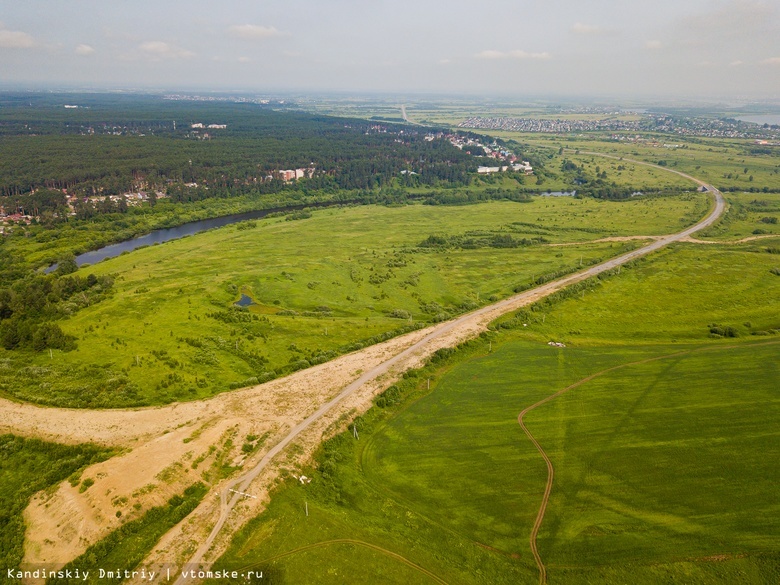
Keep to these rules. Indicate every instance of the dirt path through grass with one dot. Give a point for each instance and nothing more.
(550, 469)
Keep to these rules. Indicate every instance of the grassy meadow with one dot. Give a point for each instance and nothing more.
(665, 469)
(321, 286)
(749, 215)
(678, 295)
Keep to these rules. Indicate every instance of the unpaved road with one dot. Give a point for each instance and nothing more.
(280, 407)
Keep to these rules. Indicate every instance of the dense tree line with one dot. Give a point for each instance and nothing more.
(348, 154)
(29, 307)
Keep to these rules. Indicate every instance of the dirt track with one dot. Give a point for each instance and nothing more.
(300, 408)
(550, 469)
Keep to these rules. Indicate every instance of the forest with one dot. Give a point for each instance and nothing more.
(111, 149)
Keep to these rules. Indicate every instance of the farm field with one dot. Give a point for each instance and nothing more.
(450, 114)
(170, 332)
(664, 469)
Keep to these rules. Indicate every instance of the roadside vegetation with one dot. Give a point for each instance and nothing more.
(750, 215)
(26, 467)
(126, 547)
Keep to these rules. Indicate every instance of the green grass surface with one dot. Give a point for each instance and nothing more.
(665, 470)
(749, 215)
(672, 460)
(167, 333)
(675, 296)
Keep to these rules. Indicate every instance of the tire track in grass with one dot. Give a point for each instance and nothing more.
(551, 470)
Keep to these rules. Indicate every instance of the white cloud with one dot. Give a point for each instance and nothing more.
(517, 54)
(771, 61)
(654, 45)
(491, 55)
(254, 31)
(158, 50)
(587, 29)
(244, 60)
(84, 50)
(15, 39)
(736, 63)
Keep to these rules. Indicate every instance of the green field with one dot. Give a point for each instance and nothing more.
(675, 296)
(665, 469)
(750, 215)
(169, 331)
(663, 463)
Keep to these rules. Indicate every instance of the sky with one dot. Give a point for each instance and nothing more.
(695, 48)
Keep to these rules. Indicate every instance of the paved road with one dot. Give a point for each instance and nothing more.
(228, 500)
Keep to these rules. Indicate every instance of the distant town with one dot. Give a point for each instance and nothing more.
(683, 126)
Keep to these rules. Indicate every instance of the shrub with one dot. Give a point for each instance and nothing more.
(727, 331)
(400, 314)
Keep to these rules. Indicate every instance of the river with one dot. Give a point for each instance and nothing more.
(771, 119)
(188, 229)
